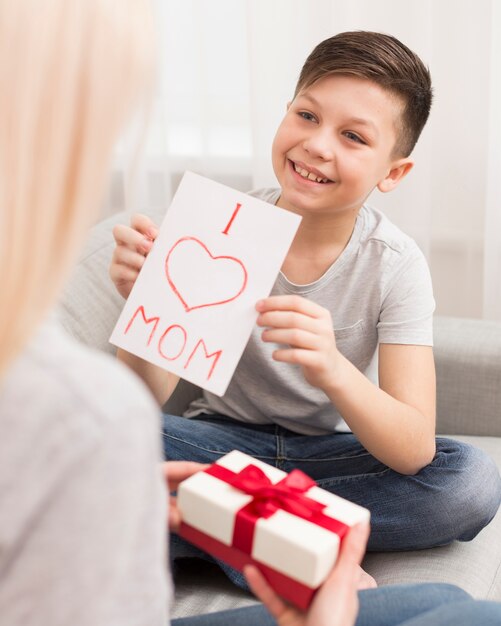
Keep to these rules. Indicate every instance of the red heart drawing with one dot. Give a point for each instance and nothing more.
(208, 267)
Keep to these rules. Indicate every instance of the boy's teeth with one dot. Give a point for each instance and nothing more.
(309, 175)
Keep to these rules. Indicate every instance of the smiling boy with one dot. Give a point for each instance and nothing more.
(352, 286)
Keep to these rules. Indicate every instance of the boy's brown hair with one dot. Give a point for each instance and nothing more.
(384, 60)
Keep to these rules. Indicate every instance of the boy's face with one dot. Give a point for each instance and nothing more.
(341, 131)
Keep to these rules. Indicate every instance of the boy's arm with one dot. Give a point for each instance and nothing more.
(394, 422)
(160, 382)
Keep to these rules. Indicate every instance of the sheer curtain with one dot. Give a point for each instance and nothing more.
(228, 69)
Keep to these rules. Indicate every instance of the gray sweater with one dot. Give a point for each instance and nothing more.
(82, 501)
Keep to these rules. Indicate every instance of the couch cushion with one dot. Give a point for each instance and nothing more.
(90, 305)
(468, 361)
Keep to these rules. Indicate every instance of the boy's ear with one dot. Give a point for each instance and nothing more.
(399, 170)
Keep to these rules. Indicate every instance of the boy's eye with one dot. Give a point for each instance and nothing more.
(307, 116)
(354, 137)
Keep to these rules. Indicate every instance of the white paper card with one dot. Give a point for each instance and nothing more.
(192, 308)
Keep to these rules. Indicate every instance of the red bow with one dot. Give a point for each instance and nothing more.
(268, 498)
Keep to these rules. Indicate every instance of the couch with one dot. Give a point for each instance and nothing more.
(468, 360)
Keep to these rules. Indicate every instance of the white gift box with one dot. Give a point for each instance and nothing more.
(294, 553)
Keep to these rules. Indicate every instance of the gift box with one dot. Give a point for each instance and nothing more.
(243, 511)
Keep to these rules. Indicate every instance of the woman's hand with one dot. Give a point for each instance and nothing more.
(336, 602)
(306, 330)
(175, 472)
(133, 244)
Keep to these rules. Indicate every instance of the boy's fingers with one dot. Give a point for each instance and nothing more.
(290, 303)
(127, 237)
(122, 274)
(291, 337)
(127, 256)
(144, 225)
(288, 320)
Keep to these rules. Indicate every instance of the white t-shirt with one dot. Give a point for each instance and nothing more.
(83, 519)
(378, 291)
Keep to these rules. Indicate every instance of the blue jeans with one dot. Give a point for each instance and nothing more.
(452, 498)
(395, 605)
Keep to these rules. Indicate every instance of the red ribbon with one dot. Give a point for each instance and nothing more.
(268, 498)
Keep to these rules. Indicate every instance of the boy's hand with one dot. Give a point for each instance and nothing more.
(133, 243)
(336, 602)
(175, 472)
(306, 329)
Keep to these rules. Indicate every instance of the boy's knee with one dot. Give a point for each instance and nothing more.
(473, 490)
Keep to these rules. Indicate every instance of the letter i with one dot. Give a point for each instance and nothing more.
(228, 225)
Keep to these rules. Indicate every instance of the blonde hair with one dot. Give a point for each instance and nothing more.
(71, 73)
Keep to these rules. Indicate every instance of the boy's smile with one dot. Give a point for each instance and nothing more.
(308, 173)
(335, 145)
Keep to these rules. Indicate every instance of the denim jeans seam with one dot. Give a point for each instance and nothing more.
(345, 479)
(281, 457)
(330, 458)
(194, 445)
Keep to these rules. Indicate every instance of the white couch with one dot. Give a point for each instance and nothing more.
(468, 359)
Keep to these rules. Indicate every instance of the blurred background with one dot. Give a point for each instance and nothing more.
(229, 67)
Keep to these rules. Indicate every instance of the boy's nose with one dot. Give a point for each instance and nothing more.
(320, 144)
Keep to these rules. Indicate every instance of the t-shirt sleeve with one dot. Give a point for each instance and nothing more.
(408, 304)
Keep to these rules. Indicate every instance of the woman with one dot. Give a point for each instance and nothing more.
(82, 530)
(83, 502)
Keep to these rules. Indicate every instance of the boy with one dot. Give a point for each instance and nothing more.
(352, 283)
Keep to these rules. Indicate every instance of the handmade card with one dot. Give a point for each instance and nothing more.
(192, 308)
